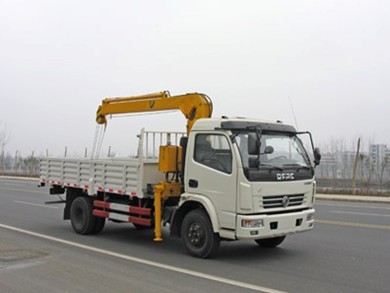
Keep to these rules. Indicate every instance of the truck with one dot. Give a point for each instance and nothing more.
(227, 178)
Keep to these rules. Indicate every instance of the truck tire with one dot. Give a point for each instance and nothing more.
(198, 236)
(81, 217)
(99, 225)
(270, 242)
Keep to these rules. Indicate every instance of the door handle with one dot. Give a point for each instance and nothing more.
(193, 183)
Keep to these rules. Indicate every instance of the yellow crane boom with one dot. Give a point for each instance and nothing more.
(194, 106)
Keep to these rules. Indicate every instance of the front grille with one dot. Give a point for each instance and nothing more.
(280, 201)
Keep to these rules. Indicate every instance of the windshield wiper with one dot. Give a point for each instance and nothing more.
(300, 167)
(272, 167)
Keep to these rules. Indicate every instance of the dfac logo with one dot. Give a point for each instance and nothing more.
(285, 176)
(285, 201)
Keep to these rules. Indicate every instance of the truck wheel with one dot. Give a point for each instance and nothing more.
(81, 217)
(99, 225)
(270, 242)
(198, 236)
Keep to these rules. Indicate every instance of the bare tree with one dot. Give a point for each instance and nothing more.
(371, 171)
(31, 165)
(4, 138)
(384, 165)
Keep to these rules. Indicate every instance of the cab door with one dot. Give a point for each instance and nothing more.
(211, 172)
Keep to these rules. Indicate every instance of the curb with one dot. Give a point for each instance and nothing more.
(20, 178)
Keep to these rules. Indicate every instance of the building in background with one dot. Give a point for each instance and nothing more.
(379, 154)
(371, 164)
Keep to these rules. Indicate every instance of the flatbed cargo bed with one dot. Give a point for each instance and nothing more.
(127, 176)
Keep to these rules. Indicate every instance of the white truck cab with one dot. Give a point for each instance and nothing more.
(254, 180)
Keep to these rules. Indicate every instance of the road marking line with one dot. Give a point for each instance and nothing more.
(34, 204)
(147, 262)
(23, 190)
(356, 213)
(352, 206)
(352, 224)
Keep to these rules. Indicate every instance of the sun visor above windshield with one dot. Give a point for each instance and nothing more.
(247, 125)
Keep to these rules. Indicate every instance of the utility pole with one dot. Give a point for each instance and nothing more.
(2, 161)
(355, 168)
(16, 163)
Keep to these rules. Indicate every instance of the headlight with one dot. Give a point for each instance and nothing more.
(310, 217)
(252, 223)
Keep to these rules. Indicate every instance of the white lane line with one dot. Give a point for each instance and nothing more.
(147, 262)
(35, 204)
(349, 224)
(364, 214)
(352, 206)
(23, 190)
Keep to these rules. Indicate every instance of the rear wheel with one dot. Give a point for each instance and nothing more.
(198, 236)
(270, 242)
(81, 217)
(99, 225)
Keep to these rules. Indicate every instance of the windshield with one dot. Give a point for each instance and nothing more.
(276, 150)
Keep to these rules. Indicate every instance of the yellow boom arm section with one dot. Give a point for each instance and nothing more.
(193, 106)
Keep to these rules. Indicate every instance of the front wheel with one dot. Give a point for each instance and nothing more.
(270, 242)
(198, 236)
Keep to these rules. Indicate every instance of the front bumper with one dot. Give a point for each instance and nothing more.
(275, 225)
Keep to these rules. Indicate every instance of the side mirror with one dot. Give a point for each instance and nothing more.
(317, 156)
(253, 144)
(253, 163)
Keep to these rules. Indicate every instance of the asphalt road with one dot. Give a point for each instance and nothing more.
(347, 251)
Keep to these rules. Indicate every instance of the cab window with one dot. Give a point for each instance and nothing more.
(213, 150)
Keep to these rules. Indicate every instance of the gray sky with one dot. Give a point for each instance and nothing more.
(59, 59)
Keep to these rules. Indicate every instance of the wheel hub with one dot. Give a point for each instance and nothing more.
(196, 234)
